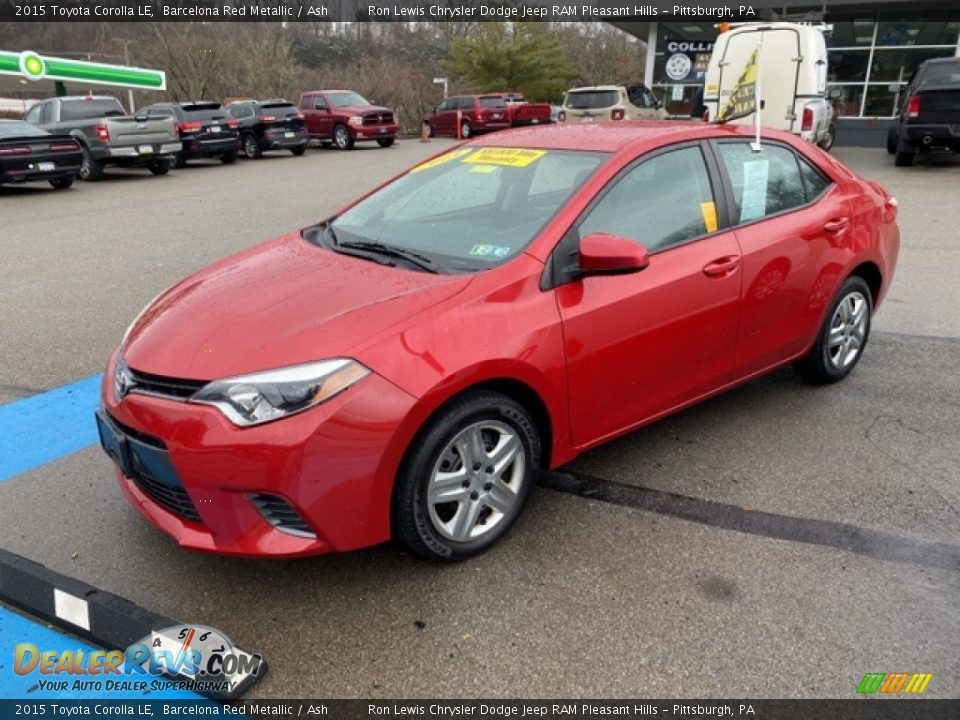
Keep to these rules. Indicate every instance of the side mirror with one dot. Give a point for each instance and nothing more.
(608, 254)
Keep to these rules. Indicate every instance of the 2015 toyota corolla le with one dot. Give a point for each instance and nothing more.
(406, 366)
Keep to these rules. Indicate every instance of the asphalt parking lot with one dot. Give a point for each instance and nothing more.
(778, 541)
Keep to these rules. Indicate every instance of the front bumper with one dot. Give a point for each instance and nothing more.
(333, 464)
(373, 132)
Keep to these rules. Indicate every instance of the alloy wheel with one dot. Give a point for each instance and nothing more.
(476, 480)
(847, 330)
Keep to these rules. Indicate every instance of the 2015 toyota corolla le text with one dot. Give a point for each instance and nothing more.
(405, 367)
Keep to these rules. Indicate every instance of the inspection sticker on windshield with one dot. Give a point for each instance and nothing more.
(490, 250)
(452, 155)
(510, 157)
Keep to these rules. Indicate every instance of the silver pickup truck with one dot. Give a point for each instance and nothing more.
(107, 134)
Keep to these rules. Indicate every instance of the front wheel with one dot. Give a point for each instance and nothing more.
(843, 337)
(385, 142)
(91, 169)
(61, 183)
(341, 138)
(299, 150)
(466, 478)
(466, 129)
(159, 166)
(251, 148)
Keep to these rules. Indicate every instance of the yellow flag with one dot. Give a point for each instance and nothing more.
(743, 99)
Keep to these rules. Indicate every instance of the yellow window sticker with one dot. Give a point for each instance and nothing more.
(452, 155)
(709, 212)
(509, 157)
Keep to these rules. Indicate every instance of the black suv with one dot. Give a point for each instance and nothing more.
(928, 115)
(269, 125)
(205, 129)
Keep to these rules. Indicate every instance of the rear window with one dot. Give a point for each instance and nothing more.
(492, 102)
(280, 109)
(591, 99)
(94, 108)
(204, 111)
(942, 74)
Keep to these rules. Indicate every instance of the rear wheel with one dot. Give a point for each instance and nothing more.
(299, 150)
(341, 138)
(229, 158)
(467, 477)
(61, 183)
(892, 140)
(179, 161)
(466, 129)
(828, 138)
(905, 153)
(251, 148)
(159, 166)
(843, 336)
(91, 169)
(385, 142)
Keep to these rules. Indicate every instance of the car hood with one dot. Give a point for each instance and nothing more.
(282, 303)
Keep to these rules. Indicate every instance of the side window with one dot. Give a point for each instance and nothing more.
(444, 106)
(46, 113)
(814, 183)
(639, 96)
(662, 202)
(465, 103)
(319, 103)
(306, 102)
(764, 183)
(33, 115)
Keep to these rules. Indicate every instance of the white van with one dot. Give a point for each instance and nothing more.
(793, 68)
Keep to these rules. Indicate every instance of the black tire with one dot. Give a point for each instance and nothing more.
(341, 137)
(827, 141)
(61, 183)
(905, 153)
(159, 166)
(466, 130)
(892, 140)
(91, 169)
(412, 523)
(229, 158)
(251, 148)
(385, 142)
(299, 150)
(179, 161)
(816, 368)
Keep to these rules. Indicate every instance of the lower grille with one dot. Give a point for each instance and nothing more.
(172, 498)
(279, 513)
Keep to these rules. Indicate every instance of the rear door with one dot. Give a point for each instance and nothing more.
(639, 345)
(794, 226)
(779, 66)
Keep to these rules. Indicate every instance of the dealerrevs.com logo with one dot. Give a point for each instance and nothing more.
(894, 683)
(188, 657)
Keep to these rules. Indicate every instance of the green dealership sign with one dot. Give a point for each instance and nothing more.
(32, 67)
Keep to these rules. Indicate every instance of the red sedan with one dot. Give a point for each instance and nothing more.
(405, 367)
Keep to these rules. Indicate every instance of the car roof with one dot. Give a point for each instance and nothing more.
(941, 60)
(588, 88)
(612, 136)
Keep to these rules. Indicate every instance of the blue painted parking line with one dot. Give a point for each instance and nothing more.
(16, 629)
(45, 427)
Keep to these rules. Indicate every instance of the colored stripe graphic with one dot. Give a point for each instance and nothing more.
(913, 683)
(45, 427)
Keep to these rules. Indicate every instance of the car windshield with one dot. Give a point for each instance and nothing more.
(18, 128)
(346, 99)
(469, 209)
(591, 99)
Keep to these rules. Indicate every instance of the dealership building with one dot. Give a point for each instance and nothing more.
(874, 46)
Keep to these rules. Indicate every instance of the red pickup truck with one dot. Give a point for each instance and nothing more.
(343, 117)
(522, 112)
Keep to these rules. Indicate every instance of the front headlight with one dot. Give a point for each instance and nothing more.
(260, 397)
(356, 121)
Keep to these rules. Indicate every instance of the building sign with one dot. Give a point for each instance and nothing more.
(34, 67)
(686, 61)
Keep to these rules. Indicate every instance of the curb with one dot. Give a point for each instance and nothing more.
(104, 619)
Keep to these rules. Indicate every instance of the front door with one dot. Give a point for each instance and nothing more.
(639, 345)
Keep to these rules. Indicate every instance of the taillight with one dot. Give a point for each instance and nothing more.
(103, 132)
(706, 115)
(616, 114)
(231, 123)
(913, 106)
(299, 116)
(807, 123)
(562, 116)
(16, 150)
(267, 118)
(186, 127)
(62, 147)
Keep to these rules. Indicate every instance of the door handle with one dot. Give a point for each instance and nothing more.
(721, 267)
(837, 226)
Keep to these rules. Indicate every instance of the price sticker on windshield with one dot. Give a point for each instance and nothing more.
(452, 155)
(509, 157)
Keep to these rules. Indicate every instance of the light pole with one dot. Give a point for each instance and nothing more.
(441, 81)
(126, 60)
